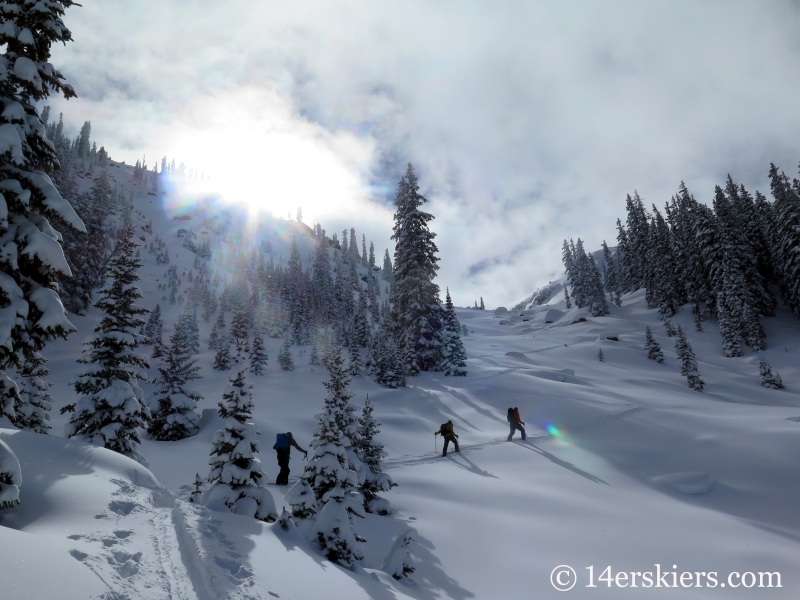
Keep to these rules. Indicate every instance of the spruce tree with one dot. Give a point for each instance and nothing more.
(416, 298)
(285, 358)
(651, 345)
(600, 355)
(258, 354)
(111, 407)
(33, 412)
(197, 492)
(10, 477)
(687, 361)
(238, 482)
(453, 354)
(222, 359)
(173, 406)
(154, 326)
(329, 475)
(217, 332)
(768, 378)
(355, 358)
(371, 451)
(31, 312)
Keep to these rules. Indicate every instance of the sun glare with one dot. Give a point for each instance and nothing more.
(256, 152)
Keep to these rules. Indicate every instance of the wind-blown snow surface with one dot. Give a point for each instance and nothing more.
(624, 466)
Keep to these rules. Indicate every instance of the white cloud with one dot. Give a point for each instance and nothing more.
(527, 122)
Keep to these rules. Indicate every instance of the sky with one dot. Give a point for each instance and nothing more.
(527, 122)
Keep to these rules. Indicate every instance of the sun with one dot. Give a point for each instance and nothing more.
(256, 151)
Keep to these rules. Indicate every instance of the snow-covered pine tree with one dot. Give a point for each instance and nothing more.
(768, 378)
(197, 491)
(217, 332)
(240, 329)
(10, 477)
(33, 413)
(285, 358)
(611, 277)
(371, 451)
(329, 475)
(313, 357)
(236, 476)
(416, 298)
(482, 306)
(387, 266)
(728, 327)
(172, 406)
(154, 326)
(567, 300)
(111, 407)
(258, 354)
(688, 361)
(222, 359)
(9, 397)
(31, 312)
(600, 355)
(355, 357)
(651, 345)
(454, 356)
(399, 563)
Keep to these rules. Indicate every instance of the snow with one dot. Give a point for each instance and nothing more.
(624, 465)
(11, 143)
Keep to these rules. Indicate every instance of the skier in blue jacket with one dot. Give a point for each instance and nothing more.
(283, 446)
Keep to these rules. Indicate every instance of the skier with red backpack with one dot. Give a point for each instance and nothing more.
(283, 446)
(516, 423)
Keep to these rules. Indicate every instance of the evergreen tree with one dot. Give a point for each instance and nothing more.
(240, 329)
(33, 412)
(31, 312)
(416, 297)
(688, 361)
(399, 563)
(258, 354)
(768, 378)
(222, 359)
(236, 476)
(173, 406)
(197, 492)
(611, 277)
(216, 332)
(651, 345)
(483, 307)
(111, 405)
(154, 326)
(10, 477)
(355, 358)
(453, 354)
(329, 475)
(387, 266)
(600, 355)
(371, 451)
(285, 358)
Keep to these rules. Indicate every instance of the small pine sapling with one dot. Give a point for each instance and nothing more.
(688, 361)
(222, 359)
(399, 563)
(600, 355)
(651, 345)
(768, 378)
(194, 497)
(285, 358)
(258, 355)
(670, 328)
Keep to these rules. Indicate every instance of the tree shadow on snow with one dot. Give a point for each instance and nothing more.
(561, 463)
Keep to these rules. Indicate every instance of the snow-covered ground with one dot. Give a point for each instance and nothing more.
(624, 466)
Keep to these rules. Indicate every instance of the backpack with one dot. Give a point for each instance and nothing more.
(510, 415)
(282, 441)
(445, 429)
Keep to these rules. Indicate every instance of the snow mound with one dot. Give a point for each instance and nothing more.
(689, 483)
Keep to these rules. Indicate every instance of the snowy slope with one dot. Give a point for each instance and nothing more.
(624, 465)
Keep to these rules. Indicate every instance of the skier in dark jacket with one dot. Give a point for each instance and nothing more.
(515, 422)
(283, 446)
(446, 431)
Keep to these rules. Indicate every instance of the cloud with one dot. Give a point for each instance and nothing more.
(527, 122)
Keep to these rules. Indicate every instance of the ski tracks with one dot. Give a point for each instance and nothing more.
(136, 553)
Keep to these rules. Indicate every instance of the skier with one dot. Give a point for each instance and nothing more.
(283, 446)
(515, 422)
(446, 431)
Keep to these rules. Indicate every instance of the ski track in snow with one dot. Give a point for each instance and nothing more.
(139, 558)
